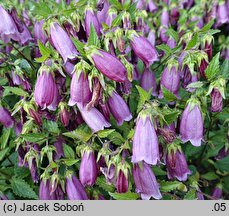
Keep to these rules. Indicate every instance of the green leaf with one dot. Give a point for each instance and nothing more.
(213, 68)
(93, 37)
(3, 153)
(82, 133)
(191, 195)
(70, 162)
(144, 96)
(169, 96)
(167, 186)
(23, 189)
(116, 138)
(21, 172)
(34, 137)
(4, 138)
(14, 90)
(68, 152)
(224, 68)
(79, 46)
(51, 126)
(210, 176)
(171, 32)
(101, 182)
(105, 133)
(42, 9)
(171, 117)
(158, 171)
(192, 42)
(124, 196)
(197, 84)
(116, 4)
(43, 49)
(117, 20)
(165, 48)
(207, 26)
(223, 164)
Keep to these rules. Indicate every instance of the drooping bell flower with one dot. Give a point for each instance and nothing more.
(94, 119)
(217, 101)
(111, 15)
(163, 36)
(191, 124)
(176, 164)
(79, 90)
(103, 7)
(104, 108)
(44, 190)
(145, 142)
(35, 115)
(152, 6)
(5, 118)
(62, 42)
(69, 68)
(189, 78)
(55, 101)
(122, 183)
(16, 19)
(88, 168)
(39, 32)
(145, 182)
(171, 43)
(109, 65)
(8, 28)
(217, 192)
(91, 19)
(152, 37)
(21, 155)
(170, 79)
(165, 17)
(74, 189)
(119, 108)
(148, 82)
(25, 37)
(222, 13)
(143, 49)
(45, 89)
(203, 66)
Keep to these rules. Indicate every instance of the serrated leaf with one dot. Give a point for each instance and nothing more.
(167, 186)
(22, 189)
(171, 117)
(42, 9)
(70, 162)
(197, 84)
(124, 196)
(158, 171)
(116, 138)
(171, 32)
(79, 46)
(21, 172)
(116, 4)
(3, 153)
(144, 96)
(68, 152)
(213, 68)
(101, 182)
(224, 68)
(192, 42)
(207, 26)
(191, 195)
(4, 138)
(165, 48)
(105, 133)
(14, 90)
(169, 96)
(82, 133)
(117, 20)
(223, 164)
(51, 126)
(34, 137)
(210, 176)
(93, 37)
(43, 49)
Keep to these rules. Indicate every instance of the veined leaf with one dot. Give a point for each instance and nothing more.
(213, 68)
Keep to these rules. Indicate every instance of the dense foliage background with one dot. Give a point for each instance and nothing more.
(114, 99)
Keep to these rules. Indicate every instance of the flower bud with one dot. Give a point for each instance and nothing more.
(222, 13)
(148, 82)
(151, 6)
(64, 117)
(165, 17)
(88, 168)
(145, 182)
(119, 108)
(62, 42)
(16, 20)
(144, 49)
(45, 89)
(217, 192)
(74, 189)
(145, 142)
(91, 19)
(35, 115)
(59, 148)
(79, 91)
(5, 118)
(94, 119)
(109, 65)
(176, 165)
(191, 124)
(217, 101)
(44, 190)
(152, 37)
(122, 183)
